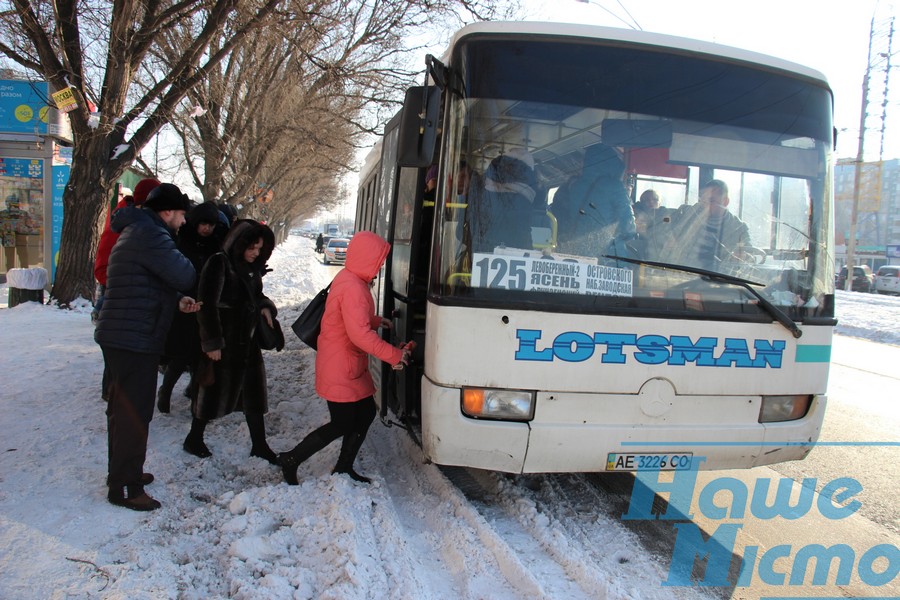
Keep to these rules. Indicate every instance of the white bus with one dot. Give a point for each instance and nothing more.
(560, 326)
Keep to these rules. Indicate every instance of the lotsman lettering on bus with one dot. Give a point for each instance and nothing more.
(577, 346)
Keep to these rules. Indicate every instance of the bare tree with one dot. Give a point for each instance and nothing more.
(293, 102)
(116, 59)
(96, 49)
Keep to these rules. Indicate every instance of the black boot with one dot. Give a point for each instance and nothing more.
(170, 377)
(193, 443)
(163, 400)
(260, 447)
(349, 449)
(311, 444)
(289, 463)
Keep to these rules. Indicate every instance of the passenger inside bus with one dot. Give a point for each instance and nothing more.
(652, 222)
(594, 210)
(463, 179)
(500, 211)
(430, 184)
(649, 201)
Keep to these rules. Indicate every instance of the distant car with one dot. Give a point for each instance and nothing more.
(336, 250)
(887, 279)
(863, 279)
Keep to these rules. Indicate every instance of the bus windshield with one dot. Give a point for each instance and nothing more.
(601, 176)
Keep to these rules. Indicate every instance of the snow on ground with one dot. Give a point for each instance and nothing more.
(874, 317)
(229, 525)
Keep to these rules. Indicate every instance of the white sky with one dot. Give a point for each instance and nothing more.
(831, 36)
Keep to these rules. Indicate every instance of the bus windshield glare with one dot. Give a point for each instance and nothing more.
(610, 178)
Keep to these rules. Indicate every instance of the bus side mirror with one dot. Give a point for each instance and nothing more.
(418, 127)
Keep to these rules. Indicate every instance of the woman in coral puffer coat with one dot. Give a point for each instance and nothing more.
(348, 336)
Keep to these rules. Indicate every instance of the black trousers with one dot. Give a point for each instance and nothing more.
(131, 387)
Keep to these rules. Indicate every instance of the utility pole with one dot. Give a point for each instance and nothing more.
(880, 52)
(887, 79)
(860, 158)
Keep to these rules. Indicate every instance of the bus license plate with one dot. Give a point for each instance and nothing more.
(649, 462)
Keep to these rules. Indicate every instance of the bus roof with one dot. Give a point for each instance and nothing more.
(630, 36)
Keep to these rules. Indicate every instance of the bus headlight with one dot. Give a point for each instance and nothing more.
(510, 405)
(784, 408)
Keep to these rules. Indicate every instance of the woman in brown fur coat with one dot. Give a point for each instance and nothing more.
(231, 373)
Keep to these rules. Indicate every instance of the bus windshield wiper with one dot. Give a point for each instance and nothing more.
(775, 312)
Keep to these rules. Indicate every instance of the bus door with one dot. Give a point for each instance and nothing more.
(412, 227)
(410, 237)
(376, 214)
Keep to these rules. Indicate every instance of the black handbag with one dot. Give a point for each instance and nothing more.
(309, 323)
(269, 338)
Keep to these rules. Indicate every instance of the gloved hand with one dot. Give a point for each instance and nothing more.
(407, 349)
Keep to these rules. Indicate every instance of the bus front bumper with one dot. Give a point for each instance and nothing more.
(582, 432)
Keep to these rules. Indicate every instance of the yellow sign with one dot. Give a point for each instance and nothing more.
(24, 113)
(65, 100)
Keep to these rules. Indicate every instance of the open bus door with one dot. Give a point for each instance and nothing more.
(413, 225)
(411, 240)
(408, 230)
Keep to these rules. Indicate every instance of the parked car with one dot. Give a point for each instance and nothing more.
(887, 279)
(336, 250)
(863, 279)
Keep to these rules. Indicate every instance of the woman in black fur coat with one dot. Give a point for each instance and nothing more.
(231, 374)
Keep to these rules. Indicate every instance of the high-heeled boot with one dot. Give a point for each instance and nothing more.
(193, 443)
(349, 449)
(259, 446)
(290, 460)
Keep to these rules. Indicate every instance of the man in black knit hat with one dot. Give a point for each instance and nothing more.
(145, 275)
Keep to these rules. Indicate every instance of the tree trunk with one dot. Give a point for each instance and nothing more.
(84, 205)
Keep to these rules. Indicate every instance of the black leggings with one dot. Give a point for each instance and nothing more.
(349, 420)
(349, 417)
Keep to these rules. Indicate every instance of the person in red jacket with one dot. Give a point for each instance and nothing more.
(108, 237)
(348, 336)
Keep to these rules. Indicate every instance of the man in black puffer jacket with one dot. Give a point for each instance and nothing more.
(145, 275)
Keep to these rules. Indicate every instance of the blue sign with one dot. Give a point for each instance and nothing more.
(60, 179)
(893, 251)
(23, 107)
(31, 168)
